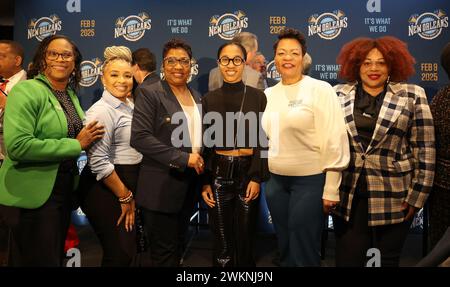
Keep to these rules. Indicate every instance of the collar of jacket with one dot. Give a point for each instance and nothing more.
(71, 92)
(393, 87)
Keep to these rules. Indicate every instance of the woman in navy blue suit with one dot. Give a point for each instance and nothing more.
(167, 130)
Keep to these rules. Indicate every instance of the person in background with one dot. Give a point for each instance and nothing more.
(307, 63)
(308, 149)
(167, 184)
(11, 72)
(259, 64)
(439, 256)
(250, 77)
(145, 74)
(144, 67)
(109, 180)
(44, 136)
(439, 202)
(234, 172)
(391, 135)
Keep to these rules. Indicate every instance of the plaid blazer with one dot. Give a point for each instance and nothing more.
(400, 159)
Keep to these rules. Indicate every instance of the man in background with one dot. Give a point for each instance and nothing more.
(259, 64)
(11, 72)
(144, 67)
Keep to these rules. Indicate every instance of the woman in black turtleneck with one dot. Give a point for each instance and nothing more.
(235, 164)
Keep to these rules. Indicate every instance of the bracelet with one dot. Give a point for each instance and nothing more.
(126, 199)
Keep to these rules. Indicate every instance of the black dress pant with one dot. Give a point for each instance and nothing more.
(166, 232)
(355, 238)
(103, 210)
(38, 238)
(232, 220)
(9, 217)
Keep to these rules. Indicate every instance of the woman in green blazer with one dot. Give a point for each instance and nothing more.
(44, 136)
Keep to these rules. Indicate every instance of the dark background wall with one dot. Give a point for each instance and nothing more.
(91, 24)
(7, 19)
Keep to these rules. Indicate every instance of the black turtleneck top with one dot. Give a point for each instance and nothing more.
(228, 99)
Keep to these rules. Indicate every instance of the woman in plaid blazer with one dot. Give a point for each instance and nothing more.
(391, 136)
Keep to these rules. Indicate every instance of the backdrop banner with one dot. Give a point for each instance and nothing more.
(205, 25)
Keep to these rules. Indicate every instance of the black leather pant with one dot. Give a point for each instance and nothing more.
(232, 220)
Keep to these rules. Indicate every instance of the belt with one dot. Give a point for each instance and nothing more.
(236, 152)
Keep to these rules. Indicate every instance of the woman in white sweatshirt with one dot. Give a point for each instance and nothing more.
(308, 148)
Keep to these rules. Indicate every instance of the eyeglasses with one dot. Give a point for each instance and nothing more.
(172, 62)
(237, 61)
(53, 55)
(377, 64)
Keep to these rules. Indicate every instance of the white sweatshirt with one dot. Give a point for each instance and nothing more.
(307, 135)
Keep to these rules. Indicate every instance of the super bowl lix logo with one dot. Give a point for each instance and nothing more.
(228, 25)
(327, 25)
(272, 71)
(427, 25)
(133, 27)
(44, 27)
(90, 70)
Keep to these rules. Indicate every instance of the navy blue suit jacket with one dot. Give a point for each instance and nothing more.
(164, 177)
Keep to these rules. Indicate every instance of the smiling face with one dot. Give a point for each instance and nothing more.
(289, 60)
(231, 72)
(374, 72)
(177, 67)
(60, 62)
(118, 79)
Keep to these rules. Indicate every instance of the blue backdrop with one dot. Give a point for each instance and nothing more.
(93, 25)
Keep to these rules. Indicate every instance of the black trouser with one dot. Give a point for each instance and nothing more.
(38, 238)
(166, 232)
(232, 220)
(355, 237)
(103, 210)
(439, 210)
(9, 217)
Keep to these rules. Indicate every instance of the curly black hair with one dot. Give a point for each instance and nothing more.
(39, 64)
(177, 43)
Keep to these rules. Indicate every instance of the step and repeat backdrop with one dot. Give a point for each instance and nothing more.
(205, 25)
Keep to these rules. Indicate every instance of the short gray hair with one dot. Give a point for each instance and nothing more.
(307, 62)
(248, 40)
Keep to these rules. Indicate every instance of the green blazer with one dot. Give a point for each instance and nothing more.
(35, 133)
